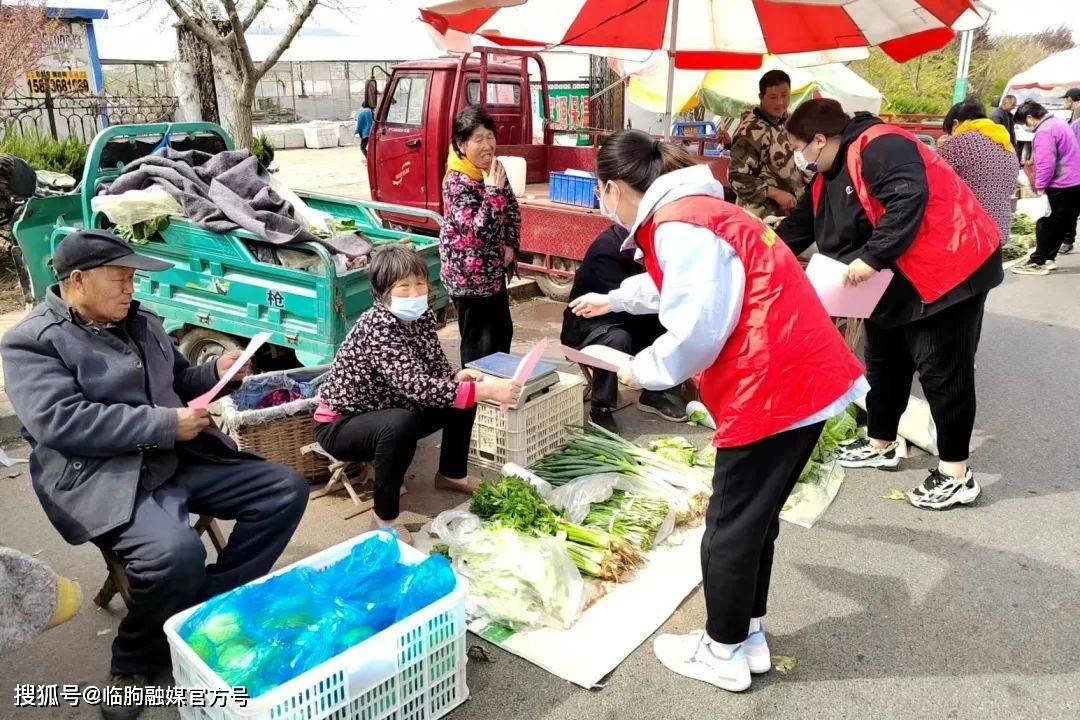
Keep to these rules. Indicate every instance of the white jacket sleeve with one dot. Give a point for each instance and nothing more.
(699, 305)
(636, 295)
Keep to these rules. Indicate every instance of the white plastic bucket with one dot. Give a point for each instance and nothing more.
(515, 172)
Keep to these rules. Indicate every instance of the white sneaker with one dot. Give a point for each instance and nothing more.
(757, 652)
(941, 492)
(692, 657)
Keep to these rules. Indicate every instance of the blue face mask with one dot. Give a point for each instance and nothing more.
(408, 308)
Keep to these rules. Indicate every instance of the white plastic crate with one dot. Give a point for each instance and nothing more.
(347, 134)
(525, 434)
(412, 670)
(318, 135)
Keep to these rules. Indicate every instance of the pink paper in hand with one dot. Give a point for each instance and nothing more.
(208, 397)
(586, 359)
(827, 277)
(526, 366)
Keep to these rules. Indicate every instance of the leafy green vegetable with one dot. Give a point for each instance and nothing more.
(784, 663)
(336, 226)
(513, 503)
(141, 232)
(698, 417)
(637, 520)
(676, 449)
(1022, 224)
(1013, 251)
(519, 580)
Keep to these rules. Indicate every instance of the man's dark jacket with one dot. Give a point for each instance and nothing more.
(98, 407)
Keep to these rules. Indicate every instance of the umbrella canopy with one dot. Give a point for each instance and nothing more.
(729, 92)
(709, 34)
(1060, 71)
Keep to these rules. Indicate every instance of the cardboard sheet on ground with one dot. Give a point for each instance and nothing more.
(208, 397)
(859, 301)
(616, 624)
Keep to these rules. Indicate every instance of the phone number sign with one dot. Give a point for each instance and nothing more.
(57, 82)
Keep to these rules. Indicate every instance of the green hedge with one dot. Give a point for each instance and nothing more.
(43, 152)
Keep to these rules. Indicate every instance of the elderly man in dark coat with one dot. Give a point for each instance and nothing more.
(118, 460)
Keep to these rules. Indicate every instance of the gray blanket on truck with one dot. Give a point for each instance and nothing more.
(226, 191)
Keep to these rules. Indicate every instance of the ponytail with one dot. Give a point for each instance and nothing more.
(638, 159)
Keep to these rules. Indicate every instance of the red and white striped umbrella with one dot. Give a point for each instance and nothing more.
(713, 34)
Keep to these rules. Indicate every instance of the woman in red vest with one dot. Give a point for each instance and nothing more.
(740, 316)
(882, 199)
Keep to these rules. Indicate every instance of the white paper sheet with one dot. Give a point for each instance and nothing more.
(616, 624)
(208, 397)
(827, 277)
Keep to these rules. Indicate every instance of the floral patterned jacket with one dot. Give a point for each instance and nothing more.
(480, 221)
(386, 363)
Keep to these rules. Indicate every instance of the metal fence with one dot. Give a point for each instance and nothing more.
(79, 115)
(301, 91)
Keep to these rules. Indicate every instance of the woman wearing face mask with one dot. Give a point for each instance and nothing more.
(391, 385)
(882, 199)
(480, 236)
(740, 315)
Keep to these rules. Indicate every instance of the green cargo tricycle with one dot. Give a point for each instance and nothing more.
(218, 293)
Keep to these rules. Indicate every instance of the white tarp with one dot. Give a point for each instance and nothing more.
(616, 624)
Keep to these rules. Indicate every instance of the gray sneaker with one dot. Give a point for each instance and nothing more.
(1030, 268)
(862, 454)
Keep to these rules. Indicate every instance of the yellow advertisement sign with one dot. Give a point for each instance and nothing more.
(58, 82)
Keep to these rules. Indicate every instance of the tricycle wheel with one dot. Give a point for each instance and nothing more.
(557, 287)
(200, 345)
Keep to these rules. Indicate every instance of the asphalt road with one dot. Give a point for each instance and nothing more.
(891, 612)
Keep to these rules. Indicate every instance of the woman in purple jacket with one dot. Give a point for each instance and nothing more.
(1056, 155)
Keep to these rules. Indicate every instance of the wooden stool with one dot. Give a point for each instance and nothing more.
(116, 581)
(339, 478)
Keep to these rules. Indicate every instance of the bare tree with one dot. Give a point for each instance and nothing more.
(221, 24)
(25, 37)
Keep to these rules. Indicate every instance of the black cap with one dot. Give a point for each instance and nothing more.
(89, 249)
(1072, 94)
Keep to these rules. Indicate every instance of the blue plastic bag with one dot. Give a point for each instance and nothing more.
(429, 581)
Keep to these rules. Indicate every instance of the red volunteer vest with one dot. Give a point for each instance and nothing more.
(785, 359)
(956, 235)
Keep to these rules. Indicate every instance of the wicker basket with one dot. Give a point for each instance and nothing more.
(277, 433)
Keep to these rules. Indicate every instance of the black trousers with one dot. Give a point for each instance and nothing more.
(166, 561)
(485, 325)
(628, 338)
(1059, 227)
(388, 438)
(942, 350)
(750, 485)
(363, 146)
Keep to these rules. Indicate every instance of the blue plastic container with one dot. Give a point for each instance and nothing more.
(694, 129)
(579, 190)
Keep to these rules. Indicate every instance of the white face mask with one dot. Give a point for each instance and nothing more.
(408, 308)
(804, 165)
(610, 215)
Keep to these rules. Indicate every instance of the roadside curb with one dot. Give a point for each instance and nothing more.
(10, 426)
